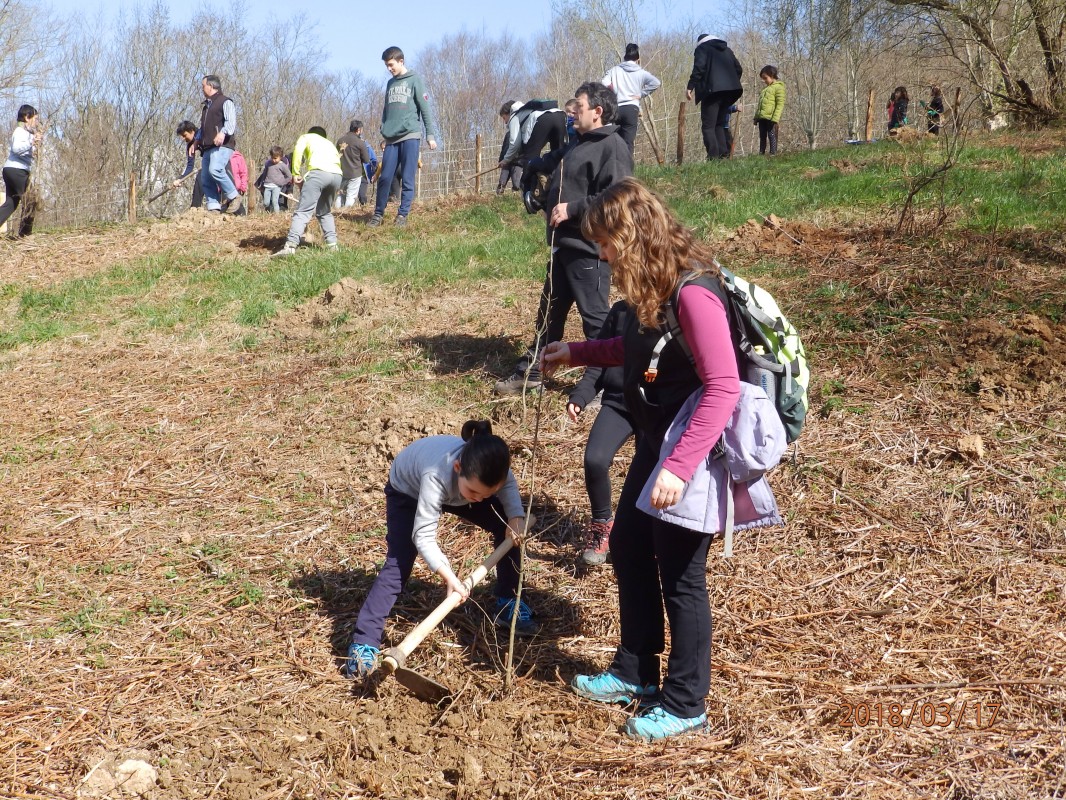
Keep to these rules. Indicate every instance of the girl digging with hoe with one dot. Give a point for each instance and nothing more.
(658, 564)
(469, 477)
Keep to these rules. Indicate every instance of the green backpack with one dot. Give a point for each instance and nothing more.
(768, 348)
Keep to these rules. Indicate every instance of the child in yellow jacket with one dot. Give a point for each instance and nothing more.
(768, 112)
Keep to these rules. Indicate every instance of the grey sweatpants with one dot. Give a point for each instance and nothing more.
(316, 198)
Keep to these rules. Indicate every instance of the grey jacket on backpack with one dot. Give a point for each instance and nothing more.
(728, 492)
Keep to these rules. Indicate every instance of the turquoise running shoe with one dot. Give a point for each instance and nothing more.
(362, 660)
(658, 723)
(609, 688)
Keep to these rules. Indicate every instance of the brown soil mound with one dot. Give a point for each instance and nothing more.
(775, 237)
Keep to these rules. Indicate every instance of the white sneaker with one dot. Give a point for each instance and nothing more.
(287, 250)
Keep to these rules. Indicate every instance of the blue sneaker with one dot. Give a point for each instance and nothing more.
(362, 660)
(658, 723)
(505, 609)
(609, 688)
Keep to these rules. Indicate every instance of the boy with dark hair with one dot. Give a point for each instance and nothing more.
(316, 165)
(576, 273)
(631, 83)
(354, 157)
(406, 111)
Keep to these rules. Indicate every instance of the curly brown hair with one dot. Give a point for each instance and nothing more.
(652, 249)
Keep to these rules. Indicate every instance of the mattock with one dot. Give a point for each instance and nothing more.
(392, 661)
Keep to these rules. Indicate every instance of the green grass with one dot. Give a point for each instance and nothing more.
(192, 289)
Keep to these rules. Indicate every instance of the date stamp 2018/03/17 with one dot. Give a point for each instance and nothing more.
(967, 714)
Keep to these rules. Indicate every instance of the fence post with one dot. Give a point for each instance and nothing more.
(681, 133)
(870, 117)
(477, 163)
(955, 108)
(249, 198)
(132, 199)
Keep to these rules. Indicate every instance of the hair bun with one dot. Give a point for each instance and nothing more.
(476, 427)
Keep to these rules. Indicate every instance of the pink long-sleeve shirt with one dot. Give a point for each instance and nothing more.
(706, 327)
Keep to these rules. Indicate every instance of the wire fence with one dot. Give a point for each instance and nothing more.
(662, 139)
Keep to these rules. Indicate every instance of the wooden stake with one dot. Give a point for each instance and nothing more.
(477, 164)
(681, 133)
(132, 199)
(870, 117)
(955, 108)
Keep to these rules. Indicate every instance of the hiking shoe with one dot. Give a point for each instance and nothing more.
(518, 383)
(609, 688)
(287, 250)
(525, 626)
(597, 543)
(658, 723)
(362, 660)
(375, 220)
(401, 221)
(234, 206)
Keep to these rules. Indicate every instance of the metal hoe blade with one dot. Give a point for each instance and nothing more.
(422, 687)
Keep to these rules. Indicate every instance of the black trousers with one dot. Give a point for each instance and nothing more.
(550, 130)
(609, 432)
(15, 183)
(573, 277)
(659, 565)
(714, 114)
(627, 124)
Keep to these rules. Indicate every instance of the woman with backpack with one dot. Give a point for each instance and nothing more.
(659, 565)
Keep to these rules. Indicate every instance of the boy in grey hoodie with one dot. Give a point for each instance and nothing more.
(631, 83)
(406, 111)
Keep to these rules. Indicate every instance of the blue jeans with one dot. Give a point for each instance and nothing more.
(403, 156)
(214, 179)
(271, 195)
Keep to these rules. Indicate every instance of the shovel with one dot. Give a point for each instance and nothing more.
(392, 661)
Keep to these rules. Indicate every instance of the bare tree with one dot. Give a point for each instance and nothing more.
(1024, 42)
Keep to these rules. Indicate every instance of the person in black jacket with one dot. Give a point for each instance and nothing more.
(612, 428)
(715, 86)
(576, 273)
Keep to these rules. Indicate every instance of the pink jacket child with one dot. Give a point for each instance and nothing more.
(240, 171)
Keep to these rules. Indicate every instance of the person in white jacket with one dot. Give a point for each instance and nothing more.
(24, 143)
(630, 83)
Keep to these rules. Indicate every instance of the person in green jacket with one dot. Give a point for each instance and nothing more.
(768, 112)
(406, 111)
(316, 168)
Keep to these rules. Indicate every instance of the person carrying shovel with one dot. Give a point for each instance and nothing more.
(470, 477)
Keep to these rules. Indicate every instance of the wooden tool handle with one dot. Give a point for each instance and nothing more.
(394, 657)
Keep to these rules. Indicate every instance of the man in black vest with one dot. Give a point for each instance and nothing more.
(218, 140)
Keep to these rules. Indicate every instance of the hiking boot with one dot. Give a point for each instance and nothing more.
(609, 688)
(287, 250)
(658, 723)
(597, 543)
(234, 206)
(362, 660)
(401, 221)
(375, 220)
(525, 626)
(519, 382)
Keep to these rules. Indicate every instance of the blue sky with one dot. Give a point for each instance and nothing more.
(355, 33)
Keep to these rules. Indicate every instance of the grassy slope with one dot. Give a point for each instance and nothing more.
(159, 508)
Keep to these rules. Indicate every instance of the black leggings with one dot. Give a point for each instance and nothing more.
(767, 135)
(15, 182)
(609, 432)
